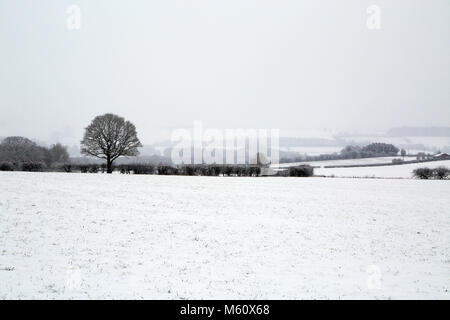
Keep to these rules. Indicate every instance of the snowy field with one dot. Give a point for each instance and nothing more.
(129, 236)
(395, 171)
(313, 151)
(347, 162)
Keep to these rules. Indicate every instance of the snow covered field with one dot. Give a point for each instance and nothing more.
(346, 162)
(395, 171)
(313, 151)
(129, 236)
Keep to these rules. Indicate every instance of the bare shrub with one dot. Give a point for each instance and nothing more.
(301, 171)
(33, 166)
(7, 166)
(441, 173)
(423, 173)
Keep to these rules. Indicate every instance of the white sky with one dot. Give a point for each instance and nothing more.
(292, 65)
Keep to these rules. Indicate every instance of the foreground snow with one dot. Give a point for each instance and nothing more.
(129, 236)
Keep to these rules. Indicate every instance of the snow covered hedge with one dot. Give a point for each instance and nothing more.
(436, 173)
(301, 171)
(7, 166)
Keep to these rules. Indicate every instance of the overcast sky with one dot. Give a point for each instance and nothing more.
(292, 65)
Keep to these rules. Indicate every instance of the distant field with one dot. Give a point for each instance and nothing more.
(395, 171)
(171, 237)
(411, 144)
(379, 160)
(313, 151)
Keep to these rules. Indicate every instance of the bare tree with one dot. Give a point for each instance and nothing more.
(403, 153)
(109, 137)
(20, 149)
(57, 154)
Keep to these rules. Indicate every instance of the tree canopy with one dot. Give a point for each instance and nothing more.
(110, 136)
(18, 149)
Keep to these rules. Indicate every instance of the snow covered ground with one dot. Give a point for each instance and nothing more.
(395, 171)
(313, 151)
(346, 162)
(128, 236)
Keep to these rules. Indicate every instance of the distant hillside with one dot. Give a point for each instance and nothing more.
(308, 142)
(419, 132)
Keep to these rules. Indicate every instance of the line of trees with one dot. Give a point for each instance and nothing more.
(110, 136)
(184, 170)
(377, 149)
(20, 153)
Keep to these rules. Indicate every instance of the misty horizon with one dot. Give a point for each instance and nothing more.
(302, 68)
(224, 155)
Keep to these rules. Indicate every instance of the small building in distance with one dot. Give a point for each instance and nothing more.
(441, 156)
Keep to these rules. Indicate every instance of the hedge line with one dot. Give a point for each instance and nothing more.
(141, 168)
(436, 173)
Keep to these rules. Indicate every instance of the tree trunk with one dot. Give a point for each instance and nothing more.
(108, 165)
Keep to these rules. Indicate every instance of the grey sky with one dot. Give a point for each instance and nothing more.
(292, 65)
